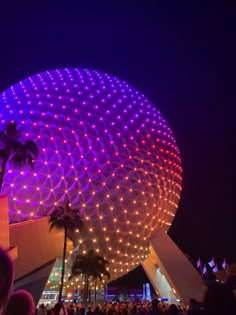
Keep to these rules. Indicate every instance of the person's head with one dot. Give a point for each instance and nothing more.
(155, 303)
(173, 310)
(57, 308)
(21, 303)
(124, 311)
(231, 277)
(193, 304)
(6, 277)
(219, 299)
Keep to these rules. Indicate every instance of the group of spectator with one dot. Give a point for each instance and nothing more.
(20, 302)
(219, 300)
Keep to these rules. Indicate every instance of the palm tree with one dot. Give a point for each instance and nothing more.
(89, 265)
(100, 271)
(13, 151)
(67, 219)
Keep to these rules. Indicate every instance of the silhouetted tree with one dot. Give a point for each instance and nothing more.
(89, 265)
(19, 154)
(67, 219)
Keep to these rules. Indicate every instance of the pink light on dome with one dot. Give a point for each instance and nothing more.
(104, 145)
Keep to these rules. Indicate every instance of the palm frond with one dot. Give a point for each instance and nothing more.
(2, 153)
(11, 131)
(65, 217)
(3, 139)
(32, 148)
(90, 264)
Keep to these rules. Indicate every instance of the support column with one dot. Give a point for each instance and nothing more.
(170, 272)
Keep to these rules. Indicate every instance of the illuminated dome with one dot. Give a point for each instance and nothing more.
(104, 146)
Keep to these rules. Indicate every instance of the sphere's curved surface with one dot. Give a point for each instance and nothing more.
(104, 146)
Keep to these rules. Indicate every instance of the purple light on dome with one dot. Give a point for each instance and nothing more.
(104, 145)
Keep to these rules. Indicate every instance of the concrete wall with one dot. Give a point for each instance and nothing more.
(4, 229)
(35, 282)
(158, 281)
(182, 277)
(36, 245)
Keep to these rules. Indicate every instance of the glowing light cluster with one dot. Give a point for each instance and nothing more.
(104, 146)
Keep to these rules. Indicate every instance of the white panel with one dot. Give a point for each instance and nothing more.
(168, 262)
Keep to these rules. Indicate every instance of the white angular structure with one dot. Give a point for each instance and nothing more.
(171, 273)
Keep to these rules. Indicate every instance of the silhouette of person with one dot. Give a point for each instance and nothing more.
(219, 300)
(194, 307)
(60, 309)
(6, 278)
(21, 303)
(172, 310)
(155, 308)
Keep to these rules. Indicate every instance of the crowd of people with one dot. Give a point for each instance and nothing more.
(219, 300)
(20, 302)
(118, 308)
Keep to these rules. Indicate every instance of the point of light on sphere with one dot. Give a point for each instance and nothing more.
(104, 146)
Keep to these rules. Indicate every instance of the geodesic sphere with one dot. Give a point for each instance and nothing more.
(104, 146)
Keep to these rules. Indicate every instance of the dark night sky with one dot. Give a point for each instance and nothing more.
(180, 54)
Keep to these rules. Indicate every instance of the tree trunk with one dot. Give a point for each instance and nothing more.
(95, 292)
(2, 171)
(105, 293)
(63, 265)
(86, 291)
